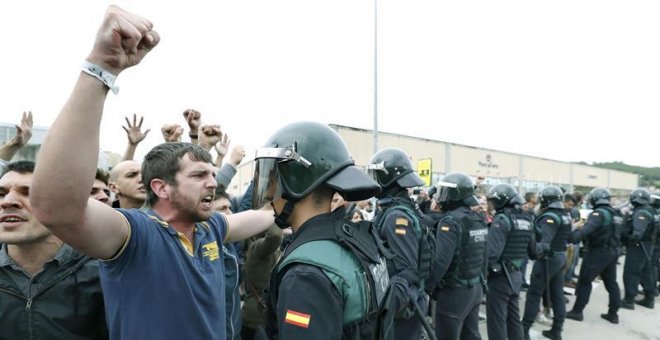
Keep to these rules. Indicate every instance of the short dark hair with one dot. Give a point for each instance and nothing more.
(529, 196)
(162, 162)
(570, 197)
(102, 176)
(22, 167)
(220, 192)
(322, 194)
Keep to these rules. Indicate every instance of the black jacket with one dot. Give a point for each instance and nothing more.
(66, 303)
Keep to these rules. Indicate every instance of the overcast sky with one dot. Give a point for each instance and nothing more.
(566, 80)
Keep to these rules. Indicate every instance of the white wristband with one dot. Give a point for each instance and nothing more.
(96, 71)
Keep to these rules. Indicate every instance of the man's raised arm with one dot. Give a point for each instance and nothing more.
(67, 160)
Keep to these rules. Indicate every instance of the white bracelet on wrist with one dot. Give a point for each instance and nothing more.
(98, 72)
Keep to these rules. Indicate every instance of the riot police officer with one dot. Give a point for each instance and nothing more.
(399, 224)
(639, 236)
(554, 226)
(510, 241)
(330, 281)
(655, 203)
(601, 236)
(460, 260)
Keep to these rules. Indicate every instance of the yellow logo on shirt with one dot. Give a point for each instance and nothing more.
(211, 251)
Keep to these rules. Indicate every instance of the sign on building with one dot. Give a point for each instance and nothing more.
(424, 170)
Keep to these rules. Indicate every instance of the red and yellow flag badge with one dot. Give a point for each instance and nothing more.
(399, 231)
(297, 319)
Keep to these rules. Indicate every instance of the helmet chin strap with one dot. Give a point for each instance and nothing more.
(283, 216)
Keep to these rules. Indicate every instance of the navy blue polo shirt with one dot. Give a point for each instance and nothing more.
(160, 286)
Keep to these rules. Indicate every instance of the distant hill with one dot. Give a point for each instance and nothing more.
(650, 176)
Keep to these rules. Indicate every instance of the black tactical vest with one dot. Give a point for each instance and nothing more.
(562, 221)
(651, 232)
(426, 238)
(608, 233)
(519, 233)
(468, 263)
(363, 242)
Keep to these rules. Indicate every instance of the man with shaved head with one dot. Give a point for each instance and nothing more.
(126, 184)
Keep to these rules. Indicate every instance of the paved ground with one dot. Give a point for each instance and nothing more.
(639, 324)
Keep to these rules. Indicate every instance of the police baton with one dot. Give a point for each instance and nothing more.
(547, 282)
(646, 253)
(418, 311)
(508, 276)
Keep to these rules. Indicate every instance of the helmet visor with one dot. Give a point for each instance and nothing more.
(266, 185)
(444, 189)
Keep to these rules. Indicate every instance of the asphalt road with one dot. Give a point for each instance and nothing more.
(639, 324)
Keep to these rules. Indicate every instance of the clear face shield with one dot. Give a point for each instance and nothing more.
(442, 195)
(266, 185)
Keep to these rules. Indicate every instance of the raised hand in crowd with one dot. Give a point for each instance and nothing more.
(171, 132)
(237, 155)
(135, 136)
(209, 135)
(222, 147)
(23, 135)
(194, 120)
(62, 204)
(122, 41)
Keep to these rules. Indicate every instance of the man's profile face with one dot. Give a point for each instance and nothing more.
(128, 181)
(17, 225)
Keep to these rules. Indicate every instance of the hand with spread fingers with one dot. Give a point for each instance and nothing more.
(135, 136)
(222, 146)
(24, 130)
(134, 131)
(22, 137)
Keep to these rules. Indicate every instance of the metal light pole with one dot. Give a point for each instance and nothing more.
(375, 76)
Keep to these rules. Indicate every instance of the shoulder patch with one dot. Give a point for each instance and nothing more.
(297, 319)
(444, 228)
(595, 214)
(399, 230)
(641, 217)
(401, 221)
(550, 221)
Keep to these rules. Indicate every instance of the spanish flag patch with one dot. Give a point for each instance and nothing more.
(550, 221)
(400, 231)
(297, 319)
(444, 228)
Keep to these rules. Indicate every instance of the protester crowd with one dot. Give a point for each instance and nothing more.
(315, 248)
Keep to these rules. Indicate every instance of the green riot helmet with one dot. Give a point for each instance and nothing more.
(456, 187)
(640, 196)
(599, 196)
(551, 197)
(391, 167)
(302, 156)
(501, 195)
